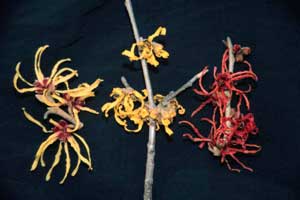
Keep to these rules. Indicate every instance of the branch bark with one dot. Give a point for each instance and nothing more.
(58, 111)
(188, 84)
(151, 138)
(231, 69)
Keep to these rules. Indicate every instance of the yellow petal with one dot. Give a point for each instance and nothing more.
(55, 67)
(128, 103)
(118, 120)
(37, 62)
(35, 121)
(44, 99)
(15, 81)
(23, 90)
(68, 163)
(144, 113)
(58, 75)
(76, 148)
(164, 54)
(44, 148)
(107, 107)
(140, 98)
(75, 170)
(159, 31)
(117, 92)
(55, 162)
(136, 121)
(77, 121)
(51, 139)
(86, 147)
(145, 92)
(130, 54)
(84, 91)
(58, 98)
(152, 60)
(157, 126)
(67, 85)
(181, 110)
(158, 97)
(89, 110)
(54, 123)
(96, 83)
(159, 51)
(20, 75)
(166, 124)
(65, 78)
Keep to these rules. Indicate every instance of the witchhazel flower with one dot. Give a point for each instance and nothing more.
(131, 105)
(164, 114)
(44, 85)
(75, 98)
(225, 85)
(127, 103)
(226, 141)
(47, 89)
(230, 129)
(148, 49)
(63, 133)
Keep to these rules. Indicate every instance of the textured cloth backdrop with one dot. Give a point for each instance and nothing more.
(93, 33)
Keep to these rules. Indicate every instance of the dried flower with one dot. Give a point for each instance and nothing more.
(148, 49)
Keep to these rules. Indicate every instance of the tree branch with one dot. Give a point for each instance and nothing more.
(151, 139)
(188, 84)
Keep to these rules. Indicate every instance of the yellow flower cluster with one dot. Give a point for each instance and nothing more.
(68, 102)
(131, 104)
(164, 114)
(128, 102)
(148, 49)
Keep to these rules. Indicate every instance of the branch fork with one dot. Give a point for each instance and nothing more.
(151, 139)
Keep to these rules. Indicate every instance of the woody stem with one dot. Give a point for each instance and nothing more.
(188, 84)
(58, 111)
(231, 69)
(151, 138)
(125, 83)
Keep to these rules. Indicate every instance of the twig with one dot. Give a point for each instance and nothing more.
(231, 69)
(188, 84)
(125, 83)
(58, 111)
(151, 139)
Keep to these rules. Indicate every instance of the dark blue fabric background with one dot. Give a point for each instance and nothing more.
(93, 33)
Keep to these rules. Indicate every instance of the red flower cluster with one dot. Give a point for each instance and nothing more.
(229, 127)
